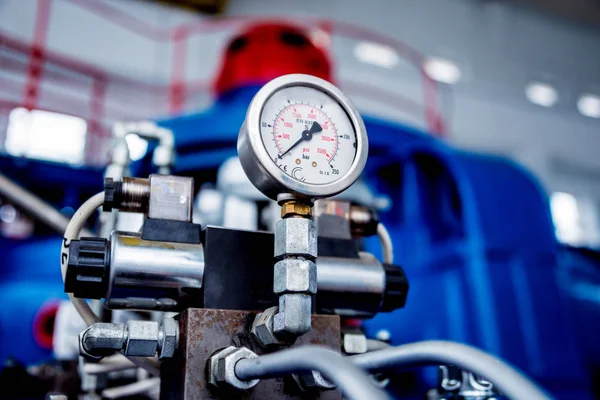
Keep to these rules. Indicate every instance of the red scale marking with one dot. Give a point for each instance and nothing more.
(313, 111)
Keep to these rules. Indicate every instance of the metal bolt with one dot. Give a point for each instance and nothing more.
(168, 337)
(262, 328)
(221, 368)
(313, 380)
(354, 343)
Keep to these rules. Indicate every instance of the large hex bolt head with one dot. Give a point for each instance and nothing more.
(313, 380)
(296, 237)
(295, 275)
(168, 337)
(221, 368)
(354, 343)
(142, 338)
(262, 328)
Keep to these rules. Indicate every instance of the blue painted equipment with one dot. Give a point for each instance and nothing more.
(473, 233)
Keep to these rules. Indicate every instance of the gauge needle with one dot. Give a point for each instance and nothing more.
(306, 136)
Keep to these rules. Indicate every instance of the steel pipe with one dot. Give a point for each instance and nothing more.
(353, 383)
(35, 206)
(508, 380)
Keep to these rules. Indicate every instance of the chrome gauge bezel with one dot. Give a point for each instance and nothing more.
(260, 168)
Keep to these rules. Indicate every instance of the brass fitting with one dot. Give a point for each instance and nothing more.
(295, 208)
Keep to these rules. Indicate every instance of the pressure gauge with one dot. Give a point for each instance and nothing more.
(302, 136)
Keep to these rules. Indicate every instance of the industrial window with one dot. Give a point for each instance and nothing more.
(45, 135)
(575, 220)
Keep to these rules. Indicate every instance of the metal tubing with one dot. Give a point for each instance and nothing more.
(508, 380)
(353, 383)
(35, 206)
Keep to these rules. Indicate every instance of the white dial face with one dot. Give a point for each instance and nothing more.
(308, 135)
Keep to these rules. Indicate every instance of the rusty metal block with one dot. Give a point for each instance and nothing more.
(204, 331)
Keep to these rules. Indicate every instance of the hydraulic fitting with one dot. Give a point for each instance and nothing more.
(363, 221)
(295, 273)
(262, 328)
(136, 338)
(294, 208)
(128, 194)
(221, 368)
(164, 197)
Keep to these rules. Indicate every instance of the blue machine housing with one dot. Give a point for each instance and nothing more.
(473, 233)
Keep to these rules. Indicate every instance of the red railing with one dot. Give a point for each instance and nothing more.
(56, 82)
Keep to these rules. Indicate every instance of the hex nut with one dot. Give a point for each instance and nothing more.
(295, 208)
(295, 275)
(222, 368)
(313, 380)
(213, 364)
(262, 328)
(354, 343)
(142, 338)
(168, 338)
(296, 237)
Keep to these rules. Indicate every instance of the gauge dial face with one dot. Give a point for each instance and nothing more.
(308, 135)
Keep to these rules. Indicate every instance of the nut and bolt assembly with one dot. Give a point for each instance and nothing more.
(136, 338)
(313, 380)
(221, 368)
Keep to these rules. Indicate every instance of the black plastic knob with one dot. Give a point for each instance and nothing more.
(113, 193)
(396, 288)
(88, 267)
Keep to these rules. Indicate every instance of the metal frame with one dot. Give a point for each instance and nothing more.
(257, 163)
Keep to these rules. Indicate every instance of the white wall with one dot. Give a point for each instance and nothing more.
(498, 46)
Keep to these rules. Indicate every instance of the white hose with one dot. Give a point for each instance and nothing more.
(72, 232)
(140, 387)
(386, 244)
